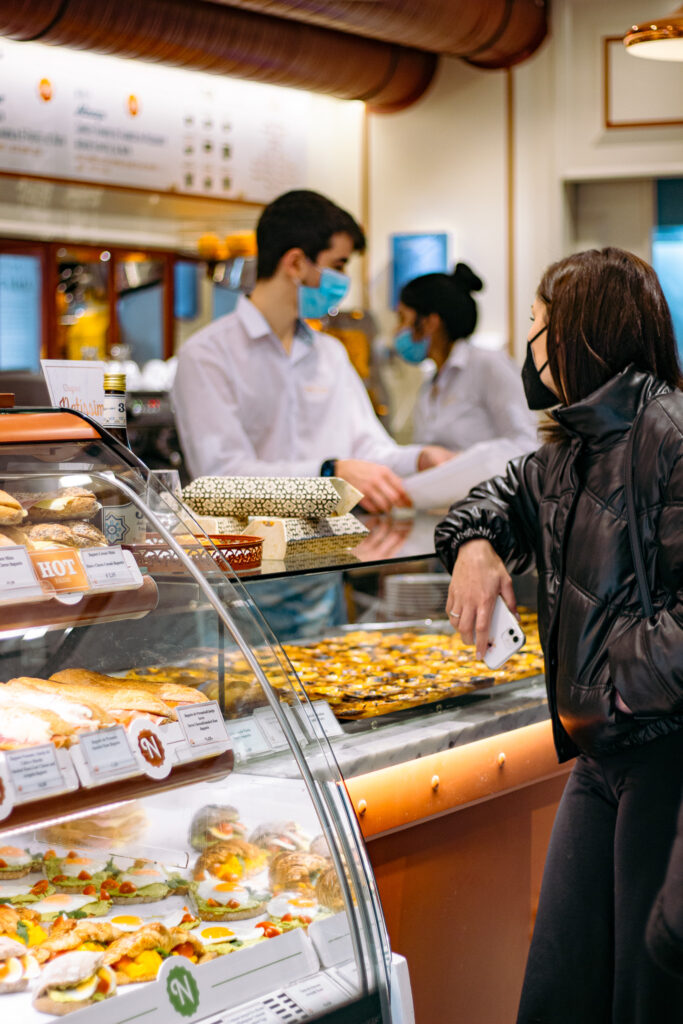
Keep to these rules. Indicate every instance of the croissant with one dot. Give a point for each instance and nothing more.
(328, 890)
(135, 956)
(240, 857)
(290, 870)
(83, 931)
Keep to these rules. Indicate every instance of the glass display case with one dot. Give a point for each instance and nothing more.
(176, 841)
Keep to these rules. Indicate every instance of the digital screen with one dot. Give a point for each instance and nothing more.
(415, 255)
(20, 319)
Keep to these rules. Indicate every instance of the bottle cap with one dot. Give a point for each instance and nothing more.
(114, 382)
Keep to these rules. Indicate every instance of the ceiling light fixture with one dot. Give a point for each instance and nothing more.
(660, 39)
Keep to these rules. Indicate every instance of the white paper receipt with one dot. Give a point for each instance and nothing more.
(107, 752)
(17, 578)
(109, 567)
(203, 724)
(35, 772)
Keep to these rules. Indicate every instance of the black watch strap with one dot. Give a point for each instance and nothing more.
(328, 467)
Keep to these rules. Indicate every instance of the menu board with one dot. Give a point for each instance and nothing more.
(82, 116)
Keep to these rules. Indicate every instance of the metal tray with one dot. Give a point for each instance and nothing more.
(485, 685)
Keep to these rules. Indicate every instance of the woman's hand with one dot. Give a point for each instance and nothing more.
(478, 577)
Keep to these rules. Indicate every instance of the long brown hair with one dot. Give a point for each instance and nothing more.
(606, 310)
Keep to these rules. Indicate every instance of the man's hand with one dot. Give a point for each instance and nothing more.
(433, 455)
(382, 489)
(479, 576)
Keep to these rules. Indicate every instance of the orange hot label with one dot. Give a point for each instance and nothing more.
(151, 748)
(59, 569)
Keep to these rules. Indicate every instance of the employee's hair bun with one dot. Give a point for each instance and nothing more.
(466, 279)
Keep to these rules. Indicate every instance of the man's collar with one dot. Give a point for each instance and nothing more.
(255, 324)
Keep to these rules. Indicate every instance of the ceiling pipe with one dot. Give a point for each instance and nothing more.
(221, 40)
(487, 33)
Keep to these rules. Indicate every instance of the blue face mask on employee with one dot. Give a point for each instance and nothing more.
(315, 303)
(408, 348)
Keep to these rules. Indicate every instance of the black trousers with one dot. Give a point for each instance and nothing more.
(588, 963)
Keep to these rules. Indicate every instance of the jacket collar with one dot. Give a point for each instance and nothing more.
(610, 411)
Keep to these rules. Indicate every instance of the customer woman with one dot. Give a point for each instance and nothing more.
(601, 348)
(475, 396)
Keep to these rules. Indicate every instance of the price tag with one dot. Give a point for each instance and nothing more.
(327, 718)
(271, 728)
(35, 772)
(17, 579)
(107, 753)
(6, 792)
(110, 568)
(204, 726)
(247, 739)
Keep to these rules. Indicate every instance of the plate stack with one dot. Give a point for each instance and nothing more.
(416, 596)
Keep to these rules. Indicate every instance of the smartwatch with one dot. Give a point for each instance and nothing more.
(328, 467)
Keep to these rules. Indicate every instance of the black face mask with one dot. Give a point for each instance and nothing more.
(538, 395)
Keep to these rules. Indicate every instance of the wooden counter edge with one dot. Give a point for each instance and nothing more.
(403, 795)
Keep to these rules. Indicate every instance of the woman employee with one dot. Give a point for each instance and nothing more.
(476, 395)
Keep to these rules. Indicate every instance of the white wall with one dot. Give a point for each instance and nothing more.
(440, 166)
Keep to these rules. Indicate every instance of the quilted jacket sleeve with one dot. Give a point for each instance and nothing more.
(503, 510)
(646, 661)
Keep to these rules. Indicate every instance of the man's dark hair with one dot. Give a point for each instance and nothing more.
(301, 220)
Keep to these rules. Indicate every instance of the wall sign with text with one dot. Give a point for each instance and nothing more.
(86, 117)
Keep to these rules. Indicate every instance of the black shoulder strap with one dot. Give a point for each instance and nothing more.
(633, 533)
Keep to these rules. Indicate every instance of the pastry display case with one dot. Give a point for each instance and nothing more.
(176, 840)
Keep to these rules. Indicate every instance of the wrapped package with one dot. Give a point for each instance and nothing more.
(280, 496)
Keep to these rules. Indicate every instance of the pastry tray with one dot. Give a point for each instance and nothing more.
(484, 686)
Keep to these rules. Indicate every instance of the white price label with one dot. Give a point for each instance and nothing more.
(6, 792)
(271, 728)
(17, 578)
(247, 739)
(327, 718)
(110, 568)
(35, 772)
(107, 753)
(203, 725)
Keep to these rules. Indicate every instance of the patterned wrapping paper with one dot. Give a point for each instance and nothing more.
(242, 496)
(284, 537)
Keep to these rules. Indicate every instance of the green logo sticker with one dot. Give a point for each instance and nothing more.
(182, 991)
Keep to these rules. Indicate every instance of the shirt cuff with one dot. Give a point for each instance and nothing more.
(405, 461)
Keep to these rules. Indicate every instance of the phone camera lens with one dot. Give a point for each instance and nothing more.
(511, 632)
(516, 639)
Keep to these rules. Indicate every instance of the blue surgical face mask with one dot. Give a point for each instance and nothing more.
(315, 303)
(408, 348)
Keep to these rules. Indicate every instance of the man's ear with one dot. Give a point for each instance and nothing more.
(293, 264)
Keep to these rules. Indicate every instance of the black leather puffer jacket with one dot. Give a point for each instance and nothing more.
(564, 507)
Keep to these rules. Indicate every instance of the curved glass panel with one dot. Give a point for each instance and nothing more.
(162, 768)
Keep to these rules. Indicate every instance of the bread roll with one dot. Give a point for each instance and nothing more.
(11, 511)
(69, 503)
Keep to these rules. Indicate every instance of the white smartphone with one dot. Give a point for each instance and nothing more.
(505, 635)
